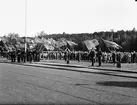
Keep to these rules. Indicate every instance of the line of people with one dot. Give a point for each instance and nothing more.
(20, 56)
(93, 56)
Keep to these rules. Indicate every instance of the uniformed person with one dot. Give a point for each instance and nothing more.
(99, 55)
(67, 55)
(118, 60)
(79, 56)
(92, 56)
(134, 56)
(14, 55)
(114, 57)
(11, 56)
(22, 56)
(18, 55)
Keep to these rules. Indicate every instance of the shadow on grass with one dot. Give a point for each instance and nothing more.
(127, 84)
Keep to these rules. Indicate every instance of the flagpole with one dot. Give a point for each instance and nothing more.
(112, 34)
(25, 30)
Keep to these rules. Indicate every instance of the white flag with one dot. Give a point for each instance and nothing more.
(95, 41)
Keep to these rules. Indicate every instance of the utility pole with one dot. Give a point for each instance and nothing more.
(25, 30)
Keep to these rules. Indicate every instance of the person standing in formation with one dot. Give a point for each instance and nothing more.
(114, 57)
(79, 56)
(99, 55)
(134, 56)
(92, 56)
(67, 55)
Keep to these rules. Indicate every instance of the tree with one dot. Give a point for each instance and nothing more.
(41, 34)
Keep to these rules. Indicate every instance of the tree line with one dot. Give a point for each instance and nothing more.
(126, 39)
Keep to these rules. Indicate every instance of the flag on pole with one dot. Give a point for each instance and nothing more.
(111, 44)
(89, 44)
(95, 41)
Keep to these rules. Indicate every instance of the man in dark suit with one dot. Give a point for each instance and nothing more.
(92, 56)
(114, 57)
(99, 55)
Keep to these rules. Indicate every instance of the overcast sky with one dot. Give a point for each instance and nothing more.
(70, 16)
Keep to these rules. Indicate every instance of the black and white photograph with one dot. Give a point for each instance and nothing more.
(68, 52)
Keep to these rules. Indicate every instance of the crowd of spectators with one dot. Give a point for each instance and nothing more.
(107, 57)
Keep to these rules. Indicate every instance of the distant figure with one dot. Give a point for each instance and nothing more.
(92, 56)
(60, 55)
(67, 55)
(114, 57)
(134, 56)
(79, 56)
(18, 55)
(99, 55)
(105, 57)
(29, 54)
(118, 60)
(118, 55)
(13, 56)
